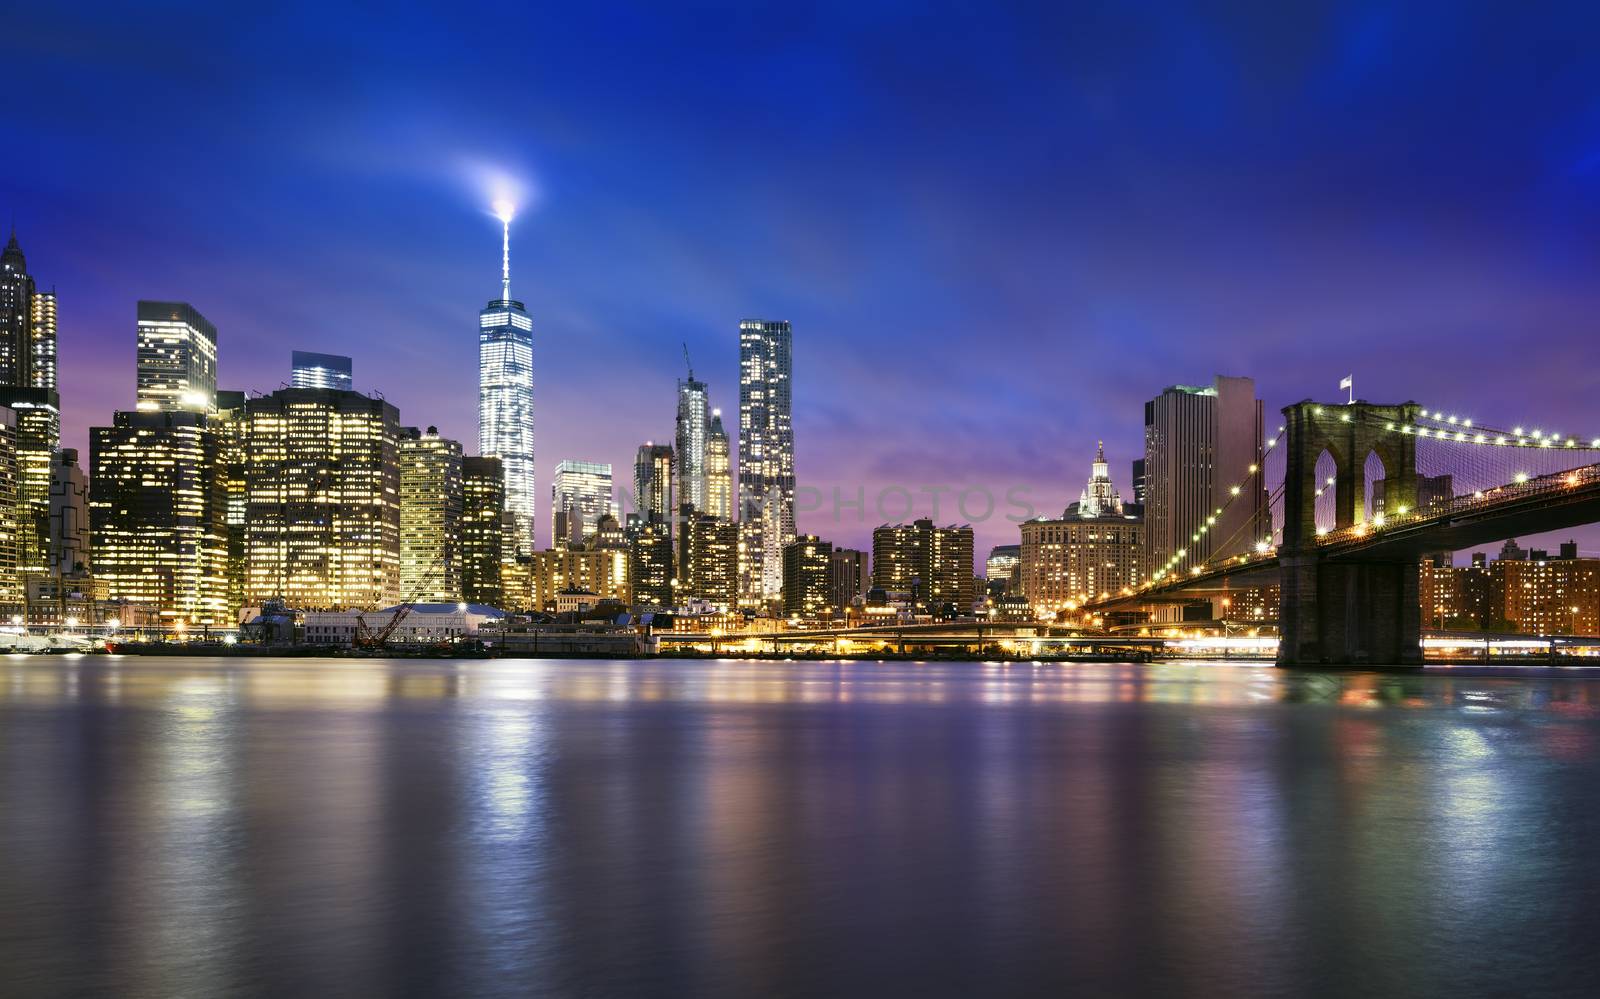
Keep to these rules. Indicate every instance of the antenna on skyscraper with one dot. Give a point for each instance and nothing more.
(505, 211)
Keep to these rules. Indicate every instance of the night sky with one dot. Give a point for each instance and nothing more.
(995, 232)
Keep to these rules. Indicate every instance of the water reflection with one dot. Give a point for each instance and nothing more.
(731, 828)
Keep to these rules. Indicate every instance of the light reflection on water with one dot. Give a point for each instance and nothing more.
(735, 828)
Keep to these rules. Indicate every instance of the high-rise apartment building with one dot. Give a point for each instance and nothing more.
(580, 494)
(708, 568)
(693, 435)
(651, 565)
(807, 578)
(932, 565)
(719, 471)
(652, 483)
(1198, 443)
(766, 455)
(310, 369)
(70, 546)
(156, 515)
(848, 577)
(431, 501)
(177, 358)
(323, 511)
(482, 514)
(505, 396)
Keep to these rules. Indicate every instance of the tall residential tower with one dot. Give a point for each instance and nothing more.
(766, 456)
(694, 431)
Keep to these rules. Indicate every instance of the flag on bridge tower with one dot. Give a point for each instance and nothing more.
(1349, 382)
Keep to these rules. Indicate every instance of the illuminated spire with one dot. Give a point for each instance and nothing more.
(505, 211)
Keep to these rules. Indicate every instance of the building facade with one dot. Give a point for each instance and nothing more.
(709, 567)
(38, 435)
(605, 572)
(323, 505)
(27, 324)
(807, 578)
(156, 513)
(431, 502)
(1199, 441)
(70, 546)
(11, 578)
(1093, 549)
(848, 577)
(232, 427)
(580, 494)
(309, 369)
(651, 568)
(482, 540)
(653, 467)
(505, 407)
(932, 565)
(177, 359)
(766, 456)
(719, 471)
(689, 443)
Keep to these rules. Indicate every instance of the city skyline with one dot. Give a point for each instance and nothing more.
(1465, 229)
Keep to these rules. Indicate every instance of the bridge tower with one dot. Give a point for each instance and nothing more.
(1346, 610)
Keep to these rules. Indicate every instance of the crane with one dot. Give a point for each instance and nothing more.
(686, 362)
(366, 637)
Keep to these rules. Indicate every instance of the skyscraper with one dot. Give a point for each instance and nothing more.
(766, 456)
(11, 581)
(652, 483)
(580, 494)
(69, 514)
(312, 370)
(694, 431)
(505, 393)
(1198, 442)
(482, 515)
(28, 387)
(719, 473)
(156, 505)
(43, 341)
(177, 359)
(430, 516)
(323, 518)
(231, 424)
(27, 324)
(37, 435)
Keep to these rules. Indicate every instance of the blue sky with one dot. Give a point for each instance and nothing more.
(996, 230)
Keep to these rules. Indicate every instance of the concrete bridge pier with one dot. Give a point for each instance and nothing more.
(1349, 613)
(1339, 612)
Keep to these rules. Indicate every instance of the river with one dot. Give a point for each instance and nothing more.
(195, 827)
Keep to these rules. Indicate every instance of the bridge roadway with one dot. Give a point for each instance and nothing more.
(1549, 503)
(944, 634)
